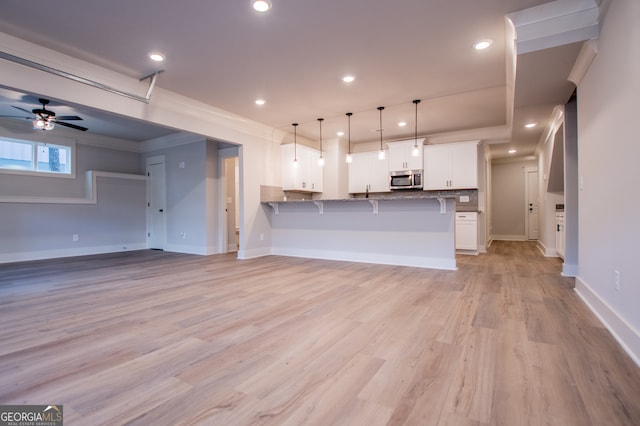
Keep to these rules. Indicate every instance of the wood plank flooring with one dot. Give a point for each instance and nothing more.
(154, 338)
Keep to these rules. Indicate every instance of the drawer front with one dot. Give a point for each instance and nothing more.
(466, 216)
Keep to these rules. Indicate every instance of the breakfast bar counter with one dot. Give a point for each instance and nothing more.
(408, 231)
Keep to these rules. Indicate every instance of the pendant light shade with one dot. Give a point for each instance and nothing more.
(381, 153)
(295, 145)
(349, 157)
(416, 150)
(321, 159)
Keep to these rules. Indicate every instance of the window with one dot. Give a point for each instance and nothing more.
(27, 157)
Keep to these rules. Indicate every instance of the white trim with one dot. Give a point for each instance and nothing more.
(509, 238)
(624, 333)
(547, 252)
(199, 250)
(587, 54)
(569, 270)
(169, 141)
(59, 253)
(91, 190)
(253, 253)
(386, 259)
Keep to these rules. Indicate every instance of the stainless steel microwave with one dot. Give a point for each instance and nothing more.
(405, 179)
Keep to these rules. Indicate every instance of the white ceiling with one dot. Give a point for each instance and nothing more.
(225, 54)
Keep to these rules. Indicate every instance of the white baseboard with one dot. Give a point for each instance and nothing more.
(569, 270)
(415, 261)
(547, 252)
(83, 251)
(621, 330)
(199, 250)
(253, 253)
(509, 238)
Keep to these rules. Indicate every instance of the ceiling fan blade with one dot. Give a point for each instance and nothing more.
(69, 117)
(22, 109)
(73, 126)
(16, 116)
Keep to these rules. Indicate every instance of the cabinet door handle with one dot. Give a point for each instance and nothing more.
(558, 227)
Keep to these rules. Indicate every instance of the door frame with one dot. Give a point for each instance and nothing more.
(528, 170)
(223, 154)
(159, 159)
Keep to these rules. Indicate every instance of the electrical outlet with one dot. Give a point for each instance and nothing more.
(75, 237)
(261, 237)
(616, 279)
(183, 235)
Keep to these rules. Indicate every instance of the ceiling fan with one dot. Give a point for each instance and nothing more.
(45, 119)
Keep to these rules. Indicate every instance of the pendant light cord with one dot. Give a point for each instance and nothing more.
(415, 142)
(380, 109)
(295, 137)
(321, 151)
(349, 114)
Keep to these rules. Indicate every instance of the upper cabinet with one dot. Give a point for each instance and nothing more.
(451, 166)
(401, 155)
(307, 176)
(367, 173)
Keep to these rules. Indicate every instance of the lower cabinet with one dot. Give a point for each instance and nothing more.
(467, 231)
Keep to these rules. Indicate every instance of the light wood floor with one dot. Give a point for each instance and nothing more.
(153, 338)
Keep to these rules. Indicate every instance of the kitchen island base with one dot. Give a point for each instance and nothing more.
(417, 232)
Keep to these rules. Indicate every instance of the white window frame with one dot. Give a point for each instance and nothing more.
(66, 143)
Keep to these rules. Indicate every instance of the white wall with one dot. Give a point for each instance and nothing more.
(609, 229)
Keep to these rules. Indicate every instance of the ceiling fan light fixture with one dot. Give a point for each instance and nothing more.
(261, 5)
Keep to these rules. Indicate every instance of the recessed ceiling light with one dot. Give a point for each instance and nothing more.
(482, 44)
(260, 102)
(512, 151)
(348, 78)
(261, 5)
(340, 133)
(157, 57)
(402, 123)
(530, 125)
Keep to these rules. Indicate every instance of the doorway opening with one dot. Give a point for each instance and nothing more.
(156, 200)
(230, 223)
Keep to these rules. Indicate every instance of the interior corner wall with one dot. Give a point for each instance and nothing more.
(608, 150)
(548, 200)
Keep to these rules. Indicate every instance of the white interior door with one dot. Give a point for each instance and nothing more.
(156, 204)
(533, 223)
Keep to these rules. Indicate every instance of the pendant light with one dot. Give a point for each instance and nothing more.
(321, 159)
(381, 153)
(295, 145)
(349, 157)
(416, 151)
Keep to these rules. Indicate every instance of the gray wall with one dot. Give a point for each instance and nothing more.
(608, 149)
(35, 230)
(192, 195)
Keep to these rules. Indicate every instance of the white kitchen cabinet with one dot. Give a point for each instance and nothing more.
(560, 234)
(451, 166)
(401, 155)
(308, 176)
(368, 173)
(467, 231)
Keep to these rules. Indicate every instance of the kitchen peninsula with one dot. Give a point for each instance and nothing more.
(407, 231)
